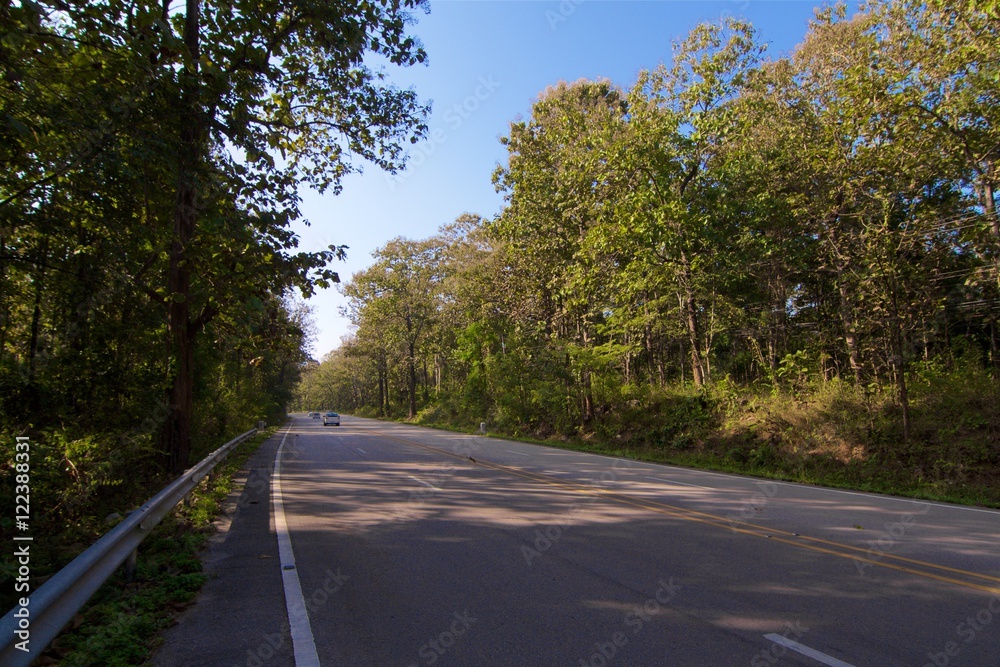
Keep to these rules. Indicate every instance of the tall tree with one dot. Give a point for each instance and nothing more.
(236, 104)
(681, 116)
(398, 292)
(558, 188)
(288, 77)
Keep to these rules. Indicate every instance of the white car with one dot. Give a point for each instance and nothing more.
(331, 418)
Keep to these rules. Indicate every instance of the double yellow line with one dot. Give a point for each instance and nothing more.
(858, 554)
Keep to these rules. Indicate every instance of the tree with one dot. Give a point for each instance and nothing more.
(397, 295)
(944, 63)
(558, 188)
(680, 117)
(233, 105)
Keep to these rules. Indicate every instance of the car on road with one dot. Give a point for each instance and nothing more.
(331, 418)
(314, 415)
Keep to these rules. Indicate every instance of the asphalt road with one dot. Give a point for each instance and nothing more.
(410, 546)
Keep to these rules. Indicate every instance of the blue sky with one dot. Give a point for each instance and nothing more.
(487, 62)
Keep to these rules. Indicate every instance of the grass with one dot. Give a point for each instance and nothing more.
(119, 626)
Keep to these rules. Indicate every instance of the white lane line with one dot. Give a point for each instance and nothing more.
(672, 481)
(361, 450)
(805, 650)
(420, 481)
(518, 453)
(878, 496)
(303, 644)
(826, 489)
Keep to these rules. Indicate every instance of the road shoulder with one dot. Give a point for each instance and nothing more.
(239, 616)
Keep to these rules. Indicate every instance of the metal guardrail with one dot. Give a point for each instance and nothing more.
(55, 603)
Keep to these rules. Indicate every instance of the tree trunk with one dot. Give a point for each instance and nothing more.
(680, 362)
(777, 322)
(588, 396)
(994, 345)
(179, 324)
(899, 370)
(411, 377)
(424, 380)
(628, 360)
(651, 357)
(383, 400)
(36, 317)
(989, 205)
(36, 321)
(691, 320)
(588, 391)
(438, 373)
(182, 332)
(850, 332)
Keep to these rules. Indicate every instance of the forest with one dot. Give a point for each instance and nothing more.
(784, 265)
(151, 160)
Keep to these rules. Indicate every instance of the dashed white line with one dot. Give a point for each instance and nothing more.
(671, 481)
(910, 501)
(826, 489)
(518, 453)
(805, 650)
(420, 481)
(303, 644)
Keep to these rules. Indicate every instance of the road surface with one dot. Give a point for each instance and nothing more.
(384, 544)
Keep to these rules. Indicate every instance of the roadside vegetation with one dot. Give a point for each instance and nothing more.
(121, 623)
(785, 266)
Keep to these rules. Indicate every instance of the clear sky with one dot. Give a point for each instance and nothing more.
(487, 62)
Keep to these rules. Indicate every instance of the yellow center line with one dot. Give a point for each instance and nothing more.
(774, 534)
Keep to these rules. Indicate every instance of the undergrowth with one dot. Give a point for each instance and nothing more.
(119, 626)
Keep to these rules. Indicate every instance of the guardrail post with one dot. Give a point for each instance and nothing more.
(130, 565)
